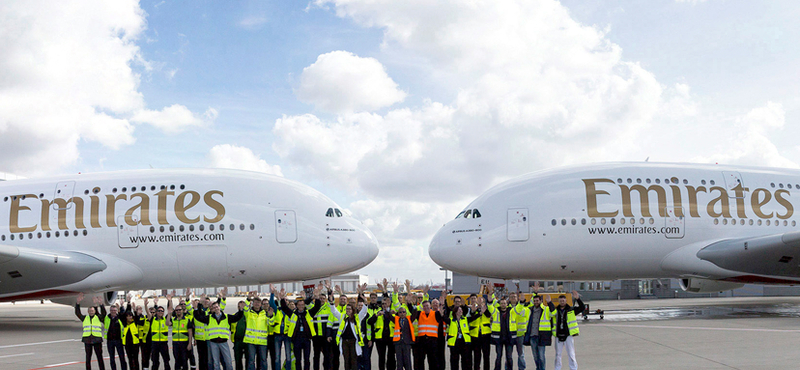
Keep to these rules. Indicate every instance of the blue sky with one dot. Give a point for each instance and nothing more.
(402, 112)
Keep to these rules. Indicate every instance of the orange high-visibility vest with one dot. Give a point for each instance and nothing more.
(427, 324)
(398, 329)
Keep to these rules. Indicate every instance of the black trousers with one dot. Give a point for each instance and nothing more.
(402, 353)
(146, 347)
(481, 346)
(132, 351)
(302, 353)
(160, 349)
(98, 352)
(271, 351)
(321, 350)
(202, 354)
(441, 343)
(460, 352)
(181, 354)
(349, 354)
(426, 347)
(386, 358)
(240, 355)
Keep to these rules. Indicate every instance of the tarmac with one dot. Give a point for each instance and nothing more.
(699, 333)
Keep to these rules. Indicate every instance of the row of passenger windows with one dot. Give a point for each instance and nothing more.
(114, 190)
(470, 213)
(200, 227)
(651, 221)
(675, 180)
(46, 234)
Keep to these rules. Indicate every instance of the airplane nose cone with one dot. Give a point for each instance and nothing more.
(436, 250)
(364, 247)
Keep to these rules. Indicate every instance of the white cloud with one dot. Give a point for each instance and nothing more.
(342, 82)
(175, 118)
(252, 22)
(240, 158)
(67, 75)
(747, 142)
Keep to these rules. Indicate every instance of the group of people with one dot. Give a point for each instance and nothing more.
(407, 331)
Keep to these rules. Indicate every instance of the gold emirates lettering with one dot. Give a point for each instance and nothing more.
(141, 207)
(718, 204)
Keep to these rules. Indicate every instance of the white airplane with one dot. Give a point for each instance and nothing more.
(714, 227)
(101, 233)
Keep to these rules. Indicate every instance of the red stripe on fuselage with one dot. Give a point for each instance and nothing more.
(50, 293)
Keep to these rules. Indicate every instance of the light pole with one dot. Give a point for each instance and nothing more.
(446, 280)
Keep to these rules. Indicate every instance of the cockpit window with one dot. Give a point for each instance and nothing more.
(329, 213)
(476, 213)
(338, 212)
(460, 214)
(468, 213)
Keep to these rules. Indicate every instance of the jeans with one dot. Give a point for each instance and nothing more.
(116, 345)
(520, 352)
(219, 353)
(286, 342)
(256, 351)
(498, 348)
(538, 354)
(365, 360)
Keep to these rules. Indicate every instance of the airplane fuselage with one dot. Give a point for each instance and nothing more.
(618, 221)
(184, 228)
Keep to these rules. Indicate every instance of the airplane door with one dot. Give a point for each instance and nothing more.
(732, 181)
(128, 235)
(675, 226)
(285, 227)
(517, 224)
(64, 190)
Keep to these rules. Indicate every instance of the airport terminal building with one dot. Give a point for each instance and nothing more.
(627, 289)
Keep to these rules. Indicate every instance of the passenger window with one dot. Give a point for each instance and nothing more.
(329, 213)
(338, 212)
(476, 213)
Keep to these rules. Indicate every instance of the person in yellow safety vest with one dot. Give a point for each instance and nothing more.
(320, 341)
(200, 337)
(301, 328)
(349, 337)
(427, 334)
(480, 331)
(270, 330)
(459, 338)
(566, 328)
(538, 335)
(365, 359)
(382, 331)
(130, 338)
(92, 337)
(142, 327)
(112, 331)
(160, 339)
(256, 332)
(218, 331)
(504, 332)
(182, 334)
(333, 323)
(187, 311)
(280, 328)
(147, 343)
(520, 315)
